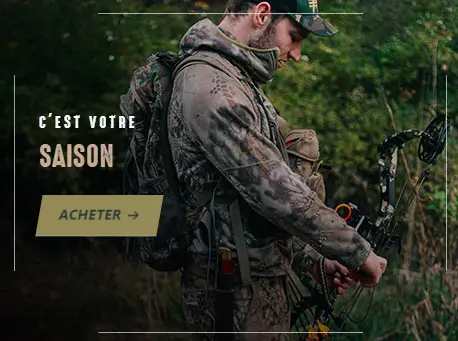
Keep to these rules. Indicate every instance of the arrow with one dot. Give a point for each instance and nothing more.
(134, 215)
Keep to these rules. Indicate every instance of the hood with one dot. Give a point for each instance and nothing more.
(259, 64)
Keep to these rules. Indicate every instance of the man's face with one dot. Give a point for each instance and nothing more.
(285, 35)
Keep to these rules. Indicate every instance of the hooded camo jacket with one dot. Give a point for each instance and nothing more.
(221, 130)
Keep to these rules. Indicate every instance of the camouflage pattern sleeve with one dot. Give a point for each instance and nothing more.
(220, 117)
(304, 258)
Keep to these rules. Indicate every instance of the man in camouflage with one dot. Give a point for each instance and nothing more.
(224, 134)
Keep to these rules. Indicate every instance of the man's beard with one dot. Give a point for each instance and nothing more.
(266, 40)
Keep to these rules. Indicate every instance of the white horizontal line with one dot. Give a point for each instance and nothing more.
(205, 13)
(230, 333)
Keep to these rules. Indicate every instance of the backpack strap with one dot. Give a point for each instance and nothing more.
(171, 180)
(236, 219)
(240, 242)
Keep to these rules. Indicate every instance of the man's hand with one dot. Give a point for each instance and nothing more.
(337, 275)
(371, 271)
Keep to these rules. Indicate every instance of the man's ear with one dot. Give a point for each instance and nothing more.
(262, 14)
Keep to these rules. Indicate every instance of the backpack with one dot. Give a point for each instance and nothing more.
(302, 147)
(149, 168)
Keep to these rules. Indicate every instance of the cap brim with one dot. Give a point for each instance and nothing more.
(317, 25)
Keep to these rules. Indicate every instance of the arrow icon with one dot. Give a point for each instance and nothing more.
(134, 215)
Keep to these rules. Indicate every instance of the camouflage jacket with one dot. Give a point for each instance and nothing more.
(222, 131)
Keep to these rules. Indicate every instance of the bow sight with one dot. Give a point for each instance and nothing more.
(367, 228)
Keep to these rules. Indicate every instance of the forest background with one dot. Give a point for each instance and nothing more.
(384, 72)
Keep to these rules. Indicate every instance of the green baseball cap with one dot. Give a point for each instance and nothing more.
(303, 12)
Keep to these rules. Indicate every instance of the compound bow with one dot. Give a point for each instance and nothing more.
(381, 233)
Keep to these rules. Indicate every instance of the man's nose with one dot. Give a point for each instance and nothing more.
(295, 53)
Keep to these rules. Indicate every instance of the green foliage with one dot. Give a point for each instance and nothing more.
(441, 201)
